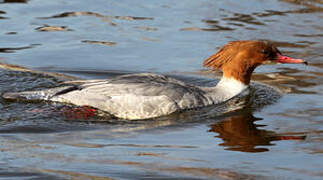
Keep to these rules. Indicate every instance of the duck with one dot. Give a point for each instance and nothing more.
(148, 95)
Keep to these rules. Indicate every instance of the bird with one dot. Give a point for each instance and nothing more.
(149, 95)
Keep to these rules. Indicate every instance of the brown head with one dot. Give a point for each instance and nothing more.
(238, 59)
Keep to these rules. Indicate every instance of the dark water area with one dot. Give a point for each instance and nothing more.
(275, 133)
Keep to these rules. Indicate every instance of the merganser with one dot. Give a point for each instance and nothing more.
(147, 95)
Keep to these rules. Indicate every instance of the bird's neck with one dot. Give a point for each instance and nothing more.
(228, 87)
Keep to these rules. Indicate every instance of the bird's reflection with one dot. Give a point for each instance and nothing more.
(240, 133)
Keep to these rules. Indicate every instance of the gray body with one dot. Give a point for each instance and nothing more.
(137, 96)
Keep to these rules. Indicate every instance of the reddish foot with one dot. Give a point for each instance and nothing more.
(83, 112)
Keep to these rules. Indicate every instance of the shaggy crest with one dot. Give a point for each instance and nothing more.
(229, 51)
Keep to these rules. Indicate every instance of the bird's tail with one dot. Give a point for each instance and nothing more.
(46, 94)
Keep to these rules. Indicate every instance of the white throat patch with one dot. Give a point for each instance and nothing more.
(230, 87)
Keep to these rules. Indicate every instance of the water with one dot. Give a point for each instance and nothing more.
(276, 136)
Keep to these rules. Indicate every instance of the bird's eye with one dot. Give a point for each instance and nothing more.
(265, 52)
